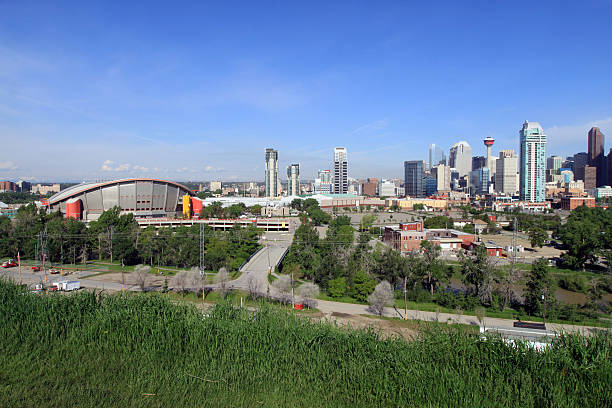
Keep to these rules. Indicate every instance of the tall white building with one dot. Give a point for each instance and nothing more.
(293, 179)
(340, 171)
(532, 163)
(443, 177)
(460, 158)
(505, 174)
(386, 188)
(272, 182)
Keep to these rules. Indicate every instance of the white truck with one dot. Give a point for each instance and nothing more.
(68, 286)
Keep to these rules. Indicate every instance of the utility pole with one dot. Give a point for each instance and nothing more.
(202, 262)
(405, 306)
(110, 241)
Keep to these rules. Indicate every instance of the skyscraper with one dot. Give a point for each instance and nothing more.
(413, 178)
(293, 179)
(505, 174)
(460, 158)
(596, 154)
(436, 156)
(479, 181)
(443, 177)
(532, 162)
(340, 171)
(272, 181)
(554, 163)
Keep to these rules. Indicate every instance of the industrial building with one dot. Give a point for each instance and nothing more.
(144, 197)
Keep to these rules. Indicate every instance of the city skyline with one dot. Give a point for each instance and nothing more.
(176, 94)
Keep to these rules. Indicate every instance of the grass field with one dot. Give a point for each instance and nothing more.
(92, 350)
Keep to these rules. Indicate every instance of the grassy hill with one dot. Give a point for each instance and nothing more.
(92, 350)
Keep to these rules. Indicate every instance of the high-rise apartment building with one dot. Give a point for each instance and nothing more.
(413, 178)
(293, 179)
(505, 174)
(460, 158)
(532, 163)
(596, 154)
(272, 182)
(443, 177)
(340, 171)
(436, 156)
(323, 182)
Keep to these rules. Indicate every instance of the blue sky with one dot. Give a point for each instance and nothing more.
(197, 91)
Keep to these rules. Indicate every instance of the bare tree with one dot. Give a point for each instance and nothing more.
(222, 279)
(197, 280)
(141, 273)
(309, 293)
(480, 315)
(181, 280)
(253, 287)
(283, 286)
(381, 297)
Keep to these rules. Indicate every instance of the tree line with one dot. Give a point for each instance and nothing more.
(346, 265)
(118, 237)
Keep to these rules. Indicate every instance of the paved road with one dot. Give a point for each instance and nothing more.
(258, 269)
(255, 272)
(329, 307)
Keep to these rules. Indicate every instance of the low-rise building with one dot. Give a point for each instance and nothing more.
(570, 203)
(601, 192)
(406, 237)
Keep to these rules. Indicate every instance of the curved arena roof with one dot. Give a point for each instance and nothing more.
(84, 187)
(145, 197)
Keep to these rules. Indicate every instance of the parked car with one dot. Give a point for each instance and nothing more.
(9, 264)
(54, 271)
(36, 268)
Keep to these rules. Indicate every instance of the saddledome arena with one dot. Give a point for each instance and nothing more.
(145, 198)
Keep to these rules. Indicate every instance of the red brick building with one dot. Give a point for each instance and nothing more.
(570, 203)
(7, 186)
(407, 237)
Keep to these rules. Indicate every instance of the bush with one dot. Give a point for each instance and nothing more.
(576, 283)
(363, 286)
(337, 287)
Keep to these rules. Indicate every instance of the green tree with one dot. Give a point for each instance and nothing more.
(366, 222)
(255, 209)
(297, 204)
(337, 287)
(478, 271)
(439, 221)
(363, 286)
(434, 271)
(537, 236)
(539, 292)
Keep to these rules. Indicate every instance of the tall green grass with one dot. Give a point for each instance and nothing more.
(126, 350)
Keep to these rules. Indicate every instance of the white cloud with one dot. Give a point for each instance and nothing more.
(208, 168)
(7, 165)
(108, 166)
(570, 139)
(140, 168)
